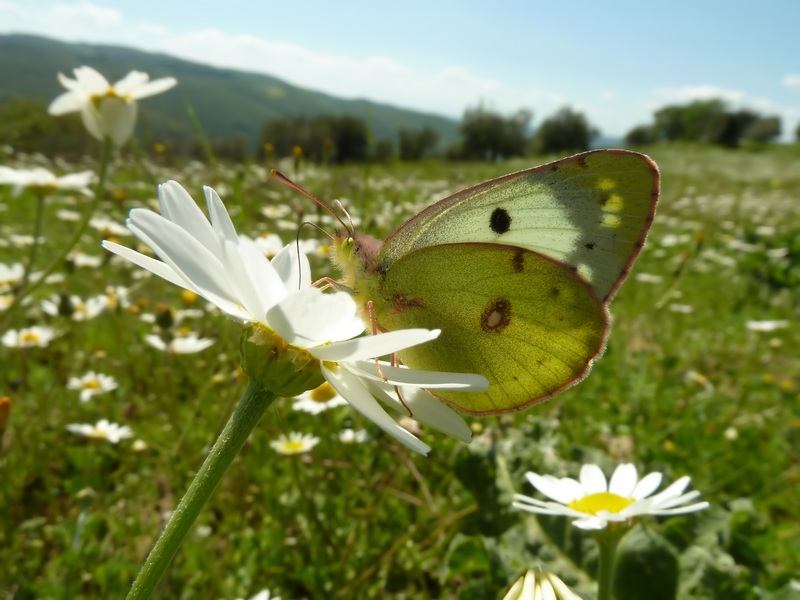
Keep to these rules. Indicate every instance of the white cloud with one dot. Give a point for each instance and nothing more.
(792, 80)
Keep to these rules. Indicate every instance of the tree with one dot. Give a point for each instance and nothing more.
(698, 121)
(416, 143)
(763, 129)
(797, 134)
(26, 126)
(487, 135)
(565, 131)
(640, 135)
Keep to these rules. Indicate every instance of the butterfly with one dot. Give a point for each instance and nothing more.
(517, 272)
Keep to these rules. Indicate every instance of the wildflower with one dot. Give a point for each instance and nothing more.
(294, 443)
(766, 326)
(106, 110)
(314, 332)
(648, 278)
(103, 430)
(75, 307)
(352, 436)
(183, 344)
(594, 503)
(28, 337)
(92, 384)
(318, 400)
(540, 585)
(42, 181)
(10, 275)
(684, 309)
(262, 595)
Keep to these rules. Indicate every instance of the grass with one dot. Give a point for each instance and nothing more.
(684, 388)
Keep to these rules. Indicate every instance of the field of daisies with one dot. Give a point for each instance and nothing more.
(672, 471)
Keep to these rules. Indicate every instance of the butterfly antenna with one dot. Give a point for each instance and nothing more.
(341, 207)
(286, 181)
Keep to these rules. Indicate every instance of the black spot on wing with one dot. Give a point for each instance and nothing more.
(500, 221)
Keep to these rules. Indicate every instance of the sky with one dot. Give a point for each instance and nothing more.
(615, 61)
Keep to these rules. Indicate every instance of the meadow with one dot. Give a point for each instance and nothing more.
(700, 378)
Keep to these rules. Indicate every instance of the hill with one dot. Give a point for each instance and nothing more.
(227, 101)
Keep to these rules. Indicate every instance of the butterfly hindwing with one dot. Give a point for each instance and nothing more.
(591, 212)
(524, 321)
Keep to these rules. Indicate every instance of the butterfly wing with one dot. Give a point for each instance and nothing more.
(527, 323)
(591, 212)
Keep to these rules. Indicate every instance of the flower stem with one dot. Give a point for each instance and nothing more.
(37, 233)
(105, 159)
(607, 541)
(245, 417)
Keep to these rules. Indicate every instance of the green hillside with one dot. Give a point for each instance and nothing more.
(227, 101)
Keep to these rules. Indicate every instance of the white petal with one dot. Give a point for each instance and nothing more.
(92, 121)
(647, 485)
(592, 479)
(350, 388)
(293, 267)
(432, 411)
(154, 87)
(253, 280)
(118, 119)
(130, 82)
(623, 480)
(179, 207)
(590, 523)
(154, 266)
(417, 378)
(681, 510)
(672, 491)
(219, 217)
(310, 317)
(66, 103)
(373, 346)
(91, 81)
(563, 490)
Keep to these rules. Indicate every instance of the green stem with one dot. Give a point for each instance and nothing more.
(245, 417)
(37, 233)
(105, 159)
(607, 541)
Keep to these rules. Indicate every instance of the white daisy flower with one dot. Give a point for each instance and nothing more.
(593, 502)
(28, 337)
(42, 181)
(92, 384)
(210, 259)
(188, 343)
(294, 443)
(107, 110)
(766, 326)
(75, 307)
(353, 436)
(10, 275)
(263, 595)
(102, 430)
(318, 400)
(540, 585)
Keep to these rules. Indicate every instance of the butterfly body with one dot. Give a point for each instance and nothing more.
(517, 272)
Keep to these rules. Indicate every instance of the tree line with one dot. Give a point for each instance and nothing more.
(484, 134)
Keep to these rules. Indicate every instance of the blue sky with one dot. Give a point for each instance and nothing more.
(617, 61)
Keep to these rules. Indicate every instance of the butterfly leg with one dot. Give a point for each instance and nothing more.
(370, 307)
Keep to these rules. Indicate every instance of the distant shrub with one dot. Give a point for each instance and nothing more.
(565, 131)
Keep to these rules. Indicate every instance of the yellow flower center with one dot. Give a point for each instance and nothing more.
(29, 337)
(294, 446)
(594, 503)
(91, 384)
(323, 393)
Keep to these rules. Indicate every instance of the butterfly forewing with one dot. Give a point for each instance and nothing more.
(590, 212)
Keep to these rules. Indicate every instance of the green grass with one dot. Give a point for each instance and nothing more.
(684, 393)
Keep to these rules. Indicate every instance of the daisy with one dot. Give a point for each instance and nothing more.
(276, 300)
(42, 181)
(28, 337)
(540, 585)
(74, 307)
(106, 110)
(263, 595)
(103, 430)
(294, 443)
(182, 344)
(318, 400)
(766, 326)
(594, 503)
(353, 436)
(10, 275)
(92, 384)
